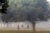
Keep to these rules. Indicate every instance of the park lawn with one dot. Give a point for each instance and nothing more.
(23, 31)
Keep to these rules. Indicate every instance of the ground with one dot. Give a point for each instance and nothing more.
(23, 32)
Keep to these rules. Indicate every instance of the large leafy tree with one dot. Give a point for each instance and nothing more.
(36, 10)
(29, 11)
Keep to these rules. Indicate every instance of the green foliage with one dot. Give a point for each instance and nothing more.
(31, 10)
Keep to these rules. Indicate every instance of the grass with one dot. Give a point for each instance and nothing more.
(16, 31)
(11, 31)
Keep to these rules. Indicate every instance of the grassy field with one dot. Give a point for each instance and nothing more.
(24, 32)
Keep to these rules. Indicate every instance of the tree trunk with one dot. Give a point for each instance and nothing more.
(34, 30)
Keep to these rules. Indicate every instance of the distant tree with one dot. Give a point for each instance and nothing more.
(4, 4)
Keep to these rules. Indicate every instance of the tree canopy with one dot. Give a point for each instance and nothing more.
(29, 11)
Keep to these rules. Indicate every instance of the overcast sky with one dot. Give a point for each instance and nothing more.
(48, 1)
